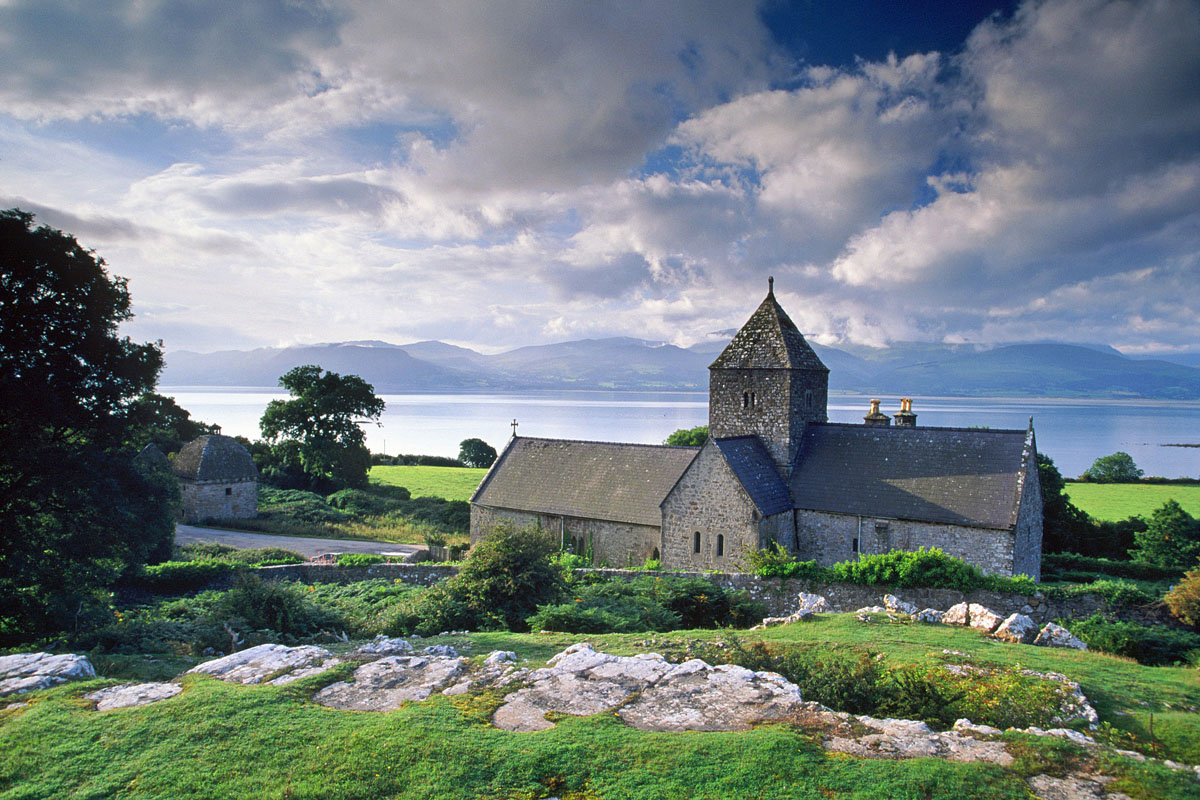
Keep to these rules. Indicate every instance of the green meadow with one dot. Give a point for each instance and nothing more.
(449, 483)
(219, 740)
(1118, 501)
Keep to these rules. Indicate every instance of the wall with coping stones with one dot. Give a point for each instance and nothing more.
(780, 597)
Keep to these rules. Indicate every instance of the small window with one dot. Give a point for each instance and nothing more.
(696, 542)
(720, 545)
(808, 400)
(753, 400)
(654, 556)
(228, 490)
(745, 399)
(881, 526)
(854, 545)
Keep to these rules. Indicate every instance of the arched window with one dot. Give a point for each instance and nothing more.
(696, 542)
(753, 400)
(745, 399)
(654, 555)
(720, 545)
(808, 399)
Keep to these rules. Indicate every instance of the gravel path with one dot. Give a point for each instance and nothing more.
(186, 534)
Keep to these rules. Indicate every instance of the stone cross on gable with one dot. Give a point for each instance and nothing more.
(514, 427)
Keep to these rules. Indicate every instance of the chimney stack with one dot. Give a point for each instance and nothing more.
(877, 418)
(905, 418)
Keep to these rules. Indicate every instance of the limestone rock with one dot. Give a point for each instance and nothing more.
(500, 657)
(695, 696)
(895, 604)
(132, 694)
(966, 726)
(1053, 635)
(957, 614)
(931, 615)
(27, 672)
(384, 684)
(983, 618)
(383, 646)
(1018, 629)
(670, 697)
(815, 603)
(871, 610)
(441, 650)
(905, 738)
(1073, 787)
(276, 661)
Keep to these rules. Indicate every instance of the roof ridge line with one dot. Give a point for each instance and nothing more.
(621, 444)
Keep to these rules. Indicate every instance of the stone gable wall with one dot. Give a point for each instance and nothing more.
(828, 539)
(1027, 555)
(208, 500)
(618, 544)
(708, 500)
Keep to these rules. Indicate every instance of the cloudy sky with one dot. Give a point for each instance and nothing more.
(270, 172)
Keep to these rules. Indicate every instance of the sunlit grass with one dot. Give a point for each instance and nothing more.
(1118, 501)
(451, 483)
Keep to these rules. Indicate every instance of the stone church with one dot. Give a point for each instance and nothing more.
(774, 469)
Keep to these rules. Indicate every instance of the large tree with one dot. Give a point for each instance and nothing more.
(76, 509)
(476, 453)
(324, 418)
(1171, 538)
(160, 421)
(1116, 468)
(688, 437)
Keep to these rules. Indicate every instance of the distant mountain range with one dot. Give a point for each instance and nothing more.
(1042, 369)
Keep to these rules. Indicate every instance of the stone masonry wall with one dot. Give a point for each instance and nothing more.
(779, 596)
(618, 544)
(784, 401)
(829, 538)
(219, 500)
(708, 500)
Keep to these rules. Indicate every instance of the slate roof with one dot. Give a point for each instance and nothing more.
(755, 468)
(215, 458)
(592, 480)
(768, 340)
(949, 475)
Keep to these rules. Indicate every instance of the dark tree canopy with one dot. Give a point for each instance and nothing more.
(158, 420)
(1116, 468)
(323, 417)
(75, 508)
(688, 437)
(1171, 538)
(476, 453)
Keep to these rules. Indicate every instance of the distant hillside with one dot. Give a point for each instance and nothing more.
(1044, 369)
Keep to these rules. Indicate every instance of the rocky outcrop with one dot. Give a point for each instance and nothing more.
(904, 738)
(815, 603)
(28, 672)
(1052, 635)
(810, 604)
(275, 664)
(383, 646)
(930, 615)
(898, 606)
(693, 695)
(1017, 629)
(132, 694)
(983, 618)
(384, 684)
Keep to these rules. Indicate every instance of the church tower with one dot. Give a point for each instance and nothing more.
(768, 383)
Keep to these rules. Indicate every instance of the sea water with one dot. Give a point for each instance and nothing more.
(1072, 432)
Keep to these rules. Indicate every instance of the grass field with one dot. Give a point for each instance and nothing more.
(450, 483)
(218, 740)
(1117, 501)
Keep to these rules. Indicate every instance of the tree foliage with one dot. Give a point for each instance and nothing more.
(323, 417)
(1116, 468)
(1171, 538)
(158, 420)
(1184, 599)
(76, 510)
(688, 437)
(476, 453)
(1065, 528)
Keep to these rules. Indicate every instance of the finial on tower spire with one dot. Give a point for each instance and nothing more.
(771, 285)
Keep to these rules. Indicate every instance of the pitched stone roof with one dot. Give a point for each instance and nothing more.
(593, 480)
(949, 475)
(215, 458)
(755, 469)
(768, 340)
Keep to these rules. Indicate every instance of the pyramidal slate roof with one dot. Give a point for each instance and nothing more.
(951, 475)
(593, 480)
(755, 469)
(768, 340)
(215, 458)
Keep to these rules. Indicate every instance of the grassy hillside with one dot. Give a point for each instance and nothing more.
(1117, 501)
(218, 740)
(450, 483)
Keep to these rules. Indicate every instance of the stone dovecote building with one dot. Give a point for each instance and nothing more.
(774, 470)
(217, 479)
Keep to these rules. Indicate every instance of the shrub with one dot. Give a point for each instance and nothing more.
(844, 681)
(604, 615)
(359, 559)
(273, 605)
(1149, 645)
(1055, 564)
(931, 568)
(1184, 599)
(1171, 538)
(1117, 593)
(263, 556)
(360, 503)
